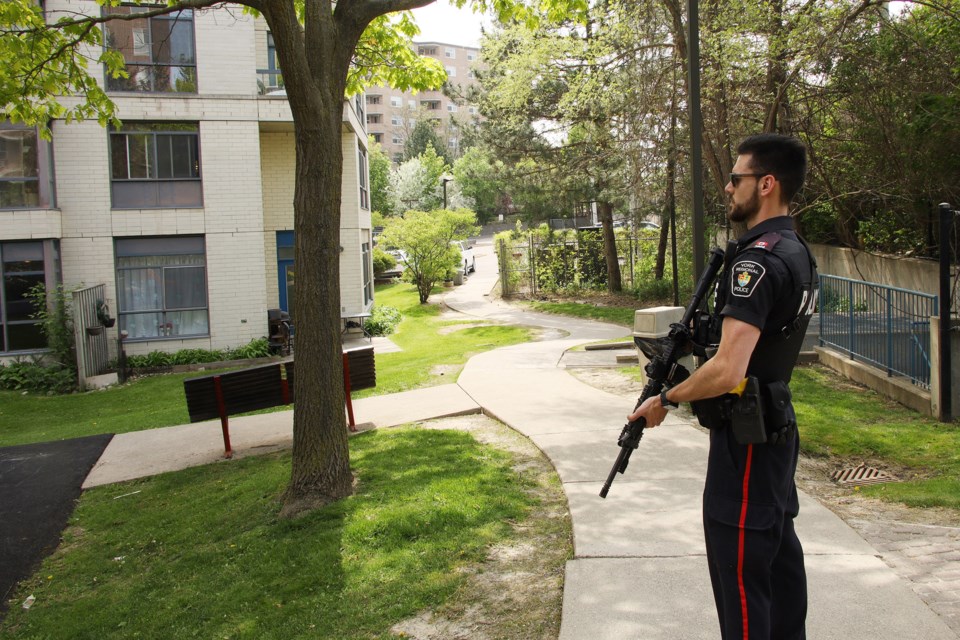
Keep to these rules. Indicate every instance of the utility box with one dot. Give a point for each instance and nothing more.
(649, 326)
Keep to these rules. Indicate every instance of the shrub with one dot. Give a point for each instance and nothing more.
(256, 348)
(382, 261)
(36, 377)
(383, 321)
(52, 309)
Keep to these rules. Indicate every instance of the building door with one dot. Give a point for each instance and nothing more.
(285, 270)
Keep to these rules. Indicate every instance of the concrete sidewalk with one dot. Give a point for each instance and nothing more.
(639, 570)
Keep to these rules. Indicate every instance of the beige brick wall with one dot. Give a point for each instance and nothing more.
(225, 38)
(278, 162)
(30, 224)
(238, 303)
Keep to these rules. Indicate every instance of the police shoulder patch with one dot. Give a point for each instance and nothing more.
(746, 274)
(767, 241)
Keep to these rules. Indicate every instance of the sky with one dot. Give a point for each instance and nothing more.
(441, 22)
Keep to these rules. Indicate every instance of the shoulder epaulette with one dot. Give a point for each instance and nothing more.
(767, 241)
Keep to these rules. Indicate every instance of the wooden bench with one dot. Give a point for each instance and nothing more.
(222, 395)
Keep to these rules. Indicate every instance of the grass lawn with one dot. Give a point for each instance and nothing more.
(612, 314)
(200, 553)
(842, 419)
(433, 349)
(158, 401)
(144, 403)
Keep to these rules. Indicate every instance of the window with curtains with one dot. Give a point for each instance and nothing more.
(155, 165)
(24, 265)
(162, 287)
(159, 52)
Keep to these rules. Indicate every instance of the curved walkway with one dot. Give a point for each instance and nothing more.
(638, 570)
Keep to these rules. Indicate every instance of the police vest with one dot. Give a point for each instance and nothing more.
(780, 340)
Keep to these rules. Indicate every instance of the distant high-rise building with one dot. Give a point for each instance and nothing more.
(392, 114)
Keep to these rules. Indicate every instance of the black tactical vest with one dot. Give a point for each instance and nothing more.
(780, 340)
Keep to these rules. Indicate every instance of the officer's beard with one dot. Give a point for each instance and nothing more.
(741, 213)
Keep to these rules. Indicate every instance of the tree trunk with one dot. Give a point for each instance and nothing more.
(315, 62)
(321, 462)
(614, 284)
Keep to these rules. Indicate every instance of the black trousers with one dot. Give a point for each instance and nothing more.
(754, 555)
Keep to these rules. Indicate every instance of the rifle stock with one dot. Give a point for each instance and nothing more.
(663, 369)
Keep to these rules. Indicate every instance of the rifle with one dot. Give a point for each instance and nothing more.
(663, 369)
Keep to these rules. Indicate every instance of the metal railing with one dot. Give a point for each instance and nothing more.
(883, 326)
(268, 81)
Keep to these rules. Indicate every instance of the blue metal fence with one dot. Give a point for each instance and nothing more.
(886, 327)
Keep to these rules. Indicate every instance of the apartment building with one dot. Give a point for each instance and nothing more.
(392, 114)
(185, 212)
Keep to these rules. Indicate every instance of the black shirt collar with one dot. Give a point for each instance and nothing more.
(780, 223)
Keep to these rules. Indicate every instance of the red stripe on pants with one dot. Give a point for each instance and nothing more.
(743, 520)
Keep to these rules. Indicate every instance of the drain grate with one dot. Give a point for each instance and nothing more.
(862, 475)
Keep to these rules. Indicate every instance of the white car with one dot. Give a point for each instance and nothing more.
(466, 256)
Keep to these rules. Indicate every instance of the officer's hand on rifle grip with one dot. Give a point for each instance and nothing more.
(651, 410)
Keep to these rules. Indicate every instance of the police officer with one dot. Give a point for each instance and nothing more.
(765, 296)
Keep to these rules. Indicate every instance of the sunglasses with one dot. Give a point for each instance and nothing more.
(735, 177)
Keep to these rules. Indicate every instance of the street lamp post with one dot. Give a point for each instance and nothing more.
(444, 179)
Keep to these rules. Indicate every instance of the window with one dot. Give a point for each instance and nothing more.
(427, 51)
(450, 52)
(378, 138)
(22, 267)
(396, 121)
(159, 52)
(412, 104)
(451, 72)
(471, 56)
(359, 103)
(374, 118)
(362, 168)
(373, 99)
(396, 101)
(155, 165)
(366, 258)
(472, 110)
(26, 171)
(471, 74)
(396, 140)
(398, 158)
(162, 287)
(452, 108)
(270, 79)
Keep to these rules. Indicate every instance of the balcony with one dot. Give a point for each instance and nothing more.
(270, 82)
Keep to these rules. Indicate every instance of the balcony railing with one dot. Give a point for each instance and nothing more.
(269, 81)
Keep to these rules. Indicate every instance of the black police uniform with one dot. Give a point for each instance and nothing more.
(750, 499)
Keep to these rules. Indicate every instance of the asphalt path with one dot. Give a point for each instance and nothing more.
(39, 487)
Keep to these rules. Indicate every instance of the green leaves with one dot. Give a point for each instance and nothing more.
(41, 65)
(384, 56)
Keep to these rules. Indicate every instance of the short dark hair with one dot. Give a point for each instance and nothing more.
(781, 156)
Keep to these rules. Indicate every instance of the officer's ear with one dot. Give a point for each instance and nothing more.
(768, 184)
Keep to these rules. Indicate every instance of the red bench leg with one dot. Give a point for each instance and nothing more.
(224, 421)
(346, 392)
